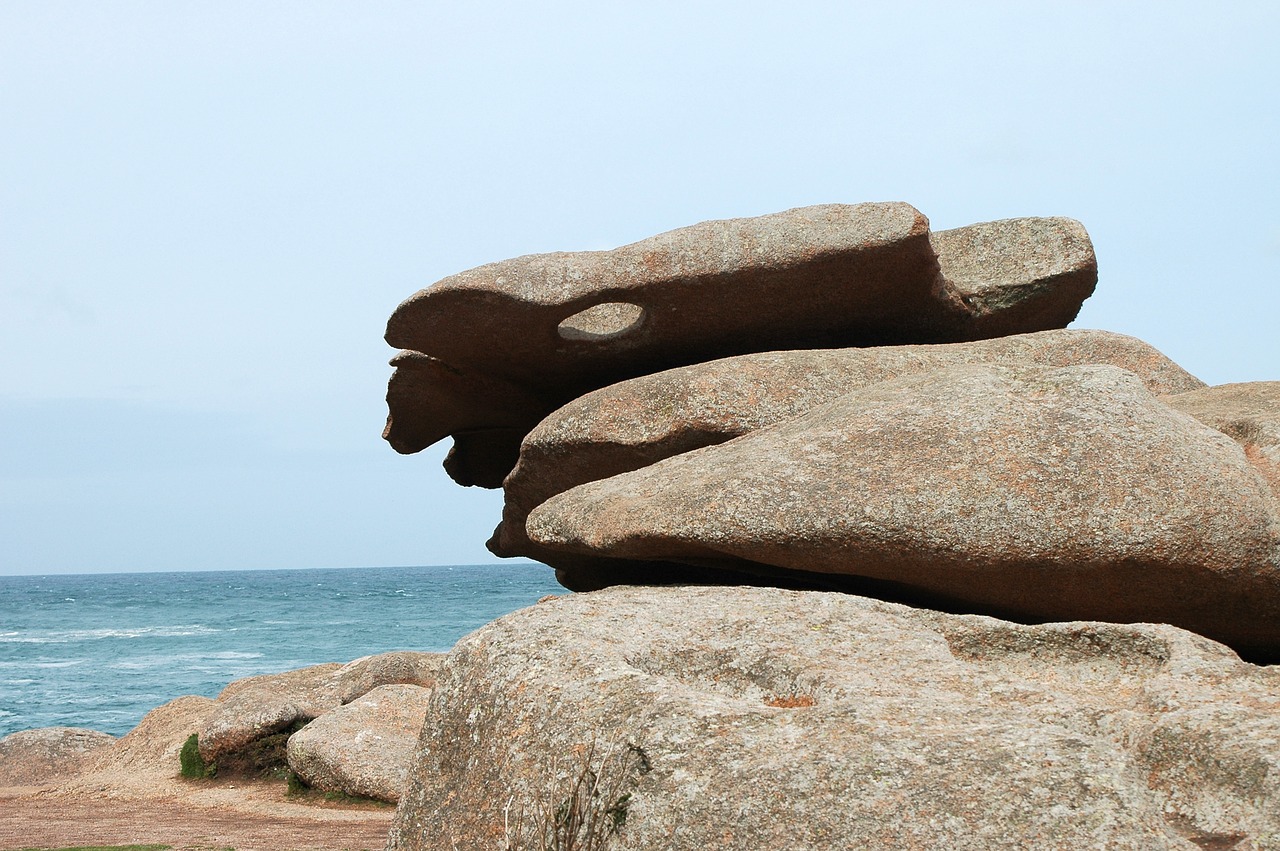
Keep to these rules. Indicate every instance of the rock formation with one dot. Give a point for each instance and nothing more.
(1033, 493)
(834, 397)
(636, 423)
(490, 351)
(254, 707)
(364, 750)
(761, 718)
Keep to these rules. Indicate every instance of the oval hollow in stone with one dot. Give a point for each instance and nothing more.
(606, 321)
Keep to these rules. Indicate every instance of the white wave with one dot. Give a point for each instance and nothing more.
(73, 635)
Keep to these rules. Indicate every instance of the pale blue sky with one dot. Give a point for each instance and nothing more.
(209, 209)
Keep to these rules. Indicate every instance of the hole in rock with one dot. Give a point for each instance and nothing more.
(606, 321)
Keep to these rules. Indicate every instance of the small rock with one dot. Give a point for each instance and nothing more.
(1019, 275)
(363, 748)
(48, 754)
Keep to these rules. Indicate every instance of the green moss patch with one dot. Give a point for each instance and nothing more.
(193, 765)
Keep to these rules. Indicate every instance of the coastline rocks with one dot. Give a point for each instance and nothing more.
(1030, 493)
(755, 718)
(491, 350)
(360, 720)
(363, 748)
(48, 754)
(636, 423)
(145, 759)
(379, 701)
(255, 707)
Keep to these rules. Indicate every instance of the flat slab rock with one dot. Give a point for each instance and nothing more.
(48, 754)
(490, 351)
(753, 718)
(632, 424)
(1030, 493)
(363, 748)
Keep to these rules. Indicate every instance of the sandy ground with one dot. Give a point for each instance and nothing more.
(246, 816)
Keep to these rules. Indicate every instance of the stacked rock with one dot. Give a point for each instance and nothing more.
(834, 397)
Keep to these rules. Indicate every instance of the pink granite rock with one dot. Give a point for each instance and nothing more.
(1032, 493)
(635, 423)
(759, 718)
(48, 754)
(363, 748)
(1249, 413)
(492, 350)
(254, 707)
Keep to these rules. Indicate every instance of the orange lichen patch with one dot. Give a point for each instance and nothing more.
(790, 701)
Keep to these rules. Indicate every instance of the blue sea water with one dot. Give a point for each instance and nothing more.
(100, 651)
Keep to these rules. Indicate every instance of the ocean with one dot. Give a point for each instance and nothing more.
(101, 650)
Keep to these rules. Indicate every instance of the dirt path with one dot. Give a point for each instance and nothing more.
(246, 817)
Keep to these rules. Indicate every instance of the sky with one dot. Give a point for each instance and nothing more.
(208, 210)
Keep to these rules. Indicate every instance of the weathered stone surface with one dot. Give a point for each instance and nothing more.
(431, 400)
(254, 707)
(398, 667)
(492, 350)
(1019, 275)
(1248, 413)
(636, 423)
(363, 748)
(48, 754)
(868, 266)
(809, 720)
(1035, 494)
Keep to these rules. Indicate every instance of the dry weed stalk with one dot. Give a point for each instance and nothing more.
(582, 810)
